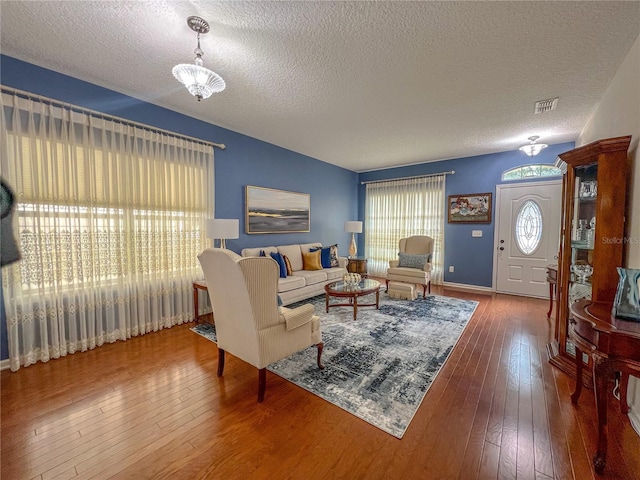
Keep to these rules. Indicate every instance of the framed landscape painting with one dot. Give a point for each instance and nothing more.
(470, 208)
(276, 211)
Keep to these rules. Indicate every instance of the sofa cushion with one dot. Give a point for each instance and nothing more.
(306, 247)
(290, 283)
(255, 252)
(311, 261)
(413, 260)
(334, 273)
(408, 275)
(281, 265)
(294, 255)
(312, 277)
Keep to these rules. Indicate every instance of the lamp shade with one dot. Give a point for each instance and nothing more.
(353, 227)
(223, 228)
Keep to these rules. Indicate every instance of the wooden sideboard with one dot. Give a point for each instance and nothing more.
(613, 346)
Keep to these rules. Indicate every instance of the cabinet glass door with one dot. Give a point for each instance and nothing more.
(582, 237)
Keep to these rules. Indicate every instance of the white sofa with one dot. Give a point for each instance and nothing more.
(301, 284)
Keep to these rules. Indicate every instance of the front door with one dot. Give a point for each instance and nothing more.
(527, 236)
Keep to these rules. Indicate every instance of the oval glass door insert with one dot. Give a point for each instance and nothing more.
(528, 227)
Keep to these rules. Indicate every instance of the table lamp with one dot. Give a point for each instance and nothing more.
(353, 227)
(222, 228)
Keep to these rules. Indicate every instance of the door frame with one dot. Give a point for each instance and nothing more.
(496, 224)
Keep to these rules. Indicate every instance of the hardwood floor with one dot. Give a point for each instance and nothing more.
(152, 407)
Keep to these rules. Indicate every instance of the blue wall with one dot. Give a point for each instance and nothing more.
(471, 257)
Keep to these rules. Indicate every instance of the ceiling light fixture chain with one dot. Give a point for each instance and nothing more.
(200, 81)
(200, 26)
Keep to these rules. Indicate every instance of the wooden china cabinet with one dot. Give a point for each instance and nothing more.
(592, 231)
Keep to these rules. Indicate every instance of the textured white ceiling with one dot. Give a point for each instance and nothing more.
(362, 85)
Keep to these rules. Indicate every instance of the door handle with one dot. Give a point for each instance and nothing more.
(501, 248)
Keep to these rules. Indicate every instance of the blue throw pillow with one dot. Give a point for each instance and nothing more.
(413, 260)
(283, 268)
(328, 255)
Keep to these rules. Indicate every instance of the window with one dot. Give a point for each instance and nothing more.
(400, 208)
(109, 219)
(528, 227)
(531, 171)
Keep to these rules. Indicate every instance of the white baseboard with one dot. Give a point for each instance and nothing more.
(4, 364)
(464, 286)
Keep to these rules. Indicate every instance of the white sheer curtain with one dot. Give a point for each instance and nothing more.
(109, 220)
(397, 209)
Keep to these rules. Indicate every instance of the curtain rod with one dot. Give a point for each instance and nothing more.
(95, 113)
(450, 172)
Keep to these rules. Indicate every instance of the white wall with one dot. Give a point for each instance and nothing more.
(618, 114)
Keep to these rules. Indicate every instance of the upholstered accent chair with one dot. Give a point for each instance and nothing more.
(249, 323)
(414, 263)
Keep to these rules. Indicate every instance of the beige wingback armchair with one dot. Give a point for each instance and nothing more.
(414, 263)
(249, 323)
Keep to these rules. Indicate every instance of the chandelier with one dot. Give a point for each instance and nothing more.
(201, 82)
(533, 148)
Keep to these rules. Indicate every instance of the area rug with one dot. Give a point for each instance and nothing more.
(380, 366)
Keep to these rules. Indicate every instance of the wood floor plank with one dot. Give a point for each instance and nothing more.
(490, 461)
(543, 456)
(496, 418)
(482, 364)
(509, 438)
(557, 430)
(525, 468)
(580, 457)
(473, 452)
(497, 409)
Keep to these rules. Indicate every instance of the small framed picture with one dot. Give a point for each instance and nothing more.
(470, 208)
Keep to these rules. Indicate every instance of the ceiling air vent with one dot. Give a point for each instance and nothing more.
(546, 105)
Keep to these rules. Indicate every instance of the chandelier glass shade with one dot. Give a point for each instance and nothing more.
(533, 148)
(200, 81)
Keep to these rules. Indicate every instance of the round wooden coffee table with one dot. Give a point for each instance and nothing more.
(352, 292)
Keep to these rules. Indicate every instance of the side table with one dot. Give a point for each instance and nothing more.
(358, 265)
(198, 285)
